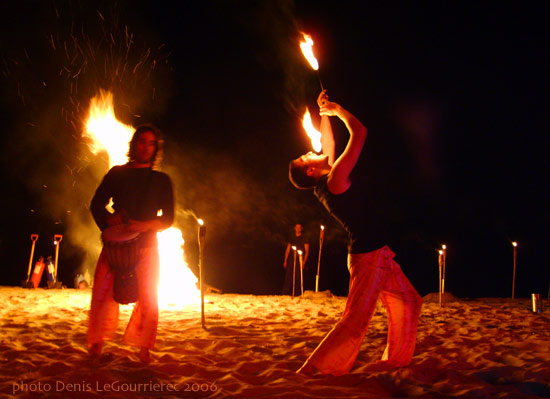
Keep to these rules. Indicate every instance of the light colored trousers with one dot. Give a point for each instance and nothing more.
(372, 275)
(103, 319)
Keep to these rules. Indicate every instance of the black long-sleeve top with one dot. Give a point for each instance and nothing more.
(139, 192)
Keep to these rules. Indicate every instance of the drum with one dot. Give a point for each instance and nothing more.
(122, 251)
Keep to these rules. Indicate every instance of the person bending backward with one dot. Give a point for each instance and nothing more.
(138, 193)
(373, 272)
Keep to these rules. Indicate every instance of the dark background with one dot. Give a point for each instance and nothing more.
(452, 96)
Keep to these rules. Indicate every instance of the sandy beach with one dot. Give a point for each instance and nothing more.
(469, 348)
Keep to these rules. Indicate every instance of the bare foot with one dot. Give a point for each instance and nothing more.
(144, 355)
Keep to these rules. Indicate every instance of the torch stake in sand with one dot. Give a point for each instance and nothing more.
(321, 239)
(515, 248)
(444, 249)
(440, 261)
(294, 272)
(202, 236)
(34, 237)
(301, 271)
(56, 241)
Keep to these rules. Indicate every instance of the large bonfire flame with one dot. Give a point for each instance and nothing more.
(177, 285)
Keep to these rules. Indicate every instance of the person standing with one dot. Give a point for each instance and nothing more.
(373, 272)
(293, 275)
(143, 203)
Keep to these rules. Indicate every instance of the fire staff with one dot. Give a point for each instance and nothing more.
(373, 271)
(143, 202)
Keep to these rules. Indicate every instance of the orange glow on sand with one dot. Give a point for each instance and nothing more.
(177, 286)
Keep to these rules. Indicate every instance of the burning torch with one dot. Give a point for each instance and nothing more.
(440, 261)
(321, 239)
(34, 237)
(444, 248)
(307, 50)
(202, 236)
(294, 272)
(515, 249)
(301, 271)
(56, 240)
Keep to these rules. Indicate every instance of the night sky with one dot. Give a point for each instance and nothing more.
(452, 96)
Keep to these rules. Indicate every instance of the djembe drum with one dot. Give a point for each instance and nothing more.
(122, 249)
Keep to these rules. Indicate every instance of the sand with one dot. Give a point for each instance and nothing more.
(482, 348)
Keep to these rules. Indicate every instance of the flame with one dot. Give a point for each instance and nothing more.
(307, 50)
(177, 284)
(312, 133)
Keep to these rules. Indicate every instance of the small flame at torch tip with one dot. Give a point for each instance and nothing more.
(200, 221)
(307, 50)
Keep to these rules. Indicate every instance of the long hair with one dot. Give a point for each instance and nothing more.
(157, 156)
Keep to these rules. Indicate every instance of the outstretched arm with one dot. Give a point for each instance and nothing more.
(338, 178)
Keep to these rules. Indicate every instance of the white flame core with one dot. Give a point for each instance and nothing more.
(307, 49)
(312, 133)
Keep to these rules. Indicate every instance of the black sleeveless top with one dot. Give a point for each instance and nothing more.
(356, 210)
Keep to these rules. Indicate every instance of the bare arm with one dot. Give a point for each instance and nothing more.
(338, 178)
(327, 137)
